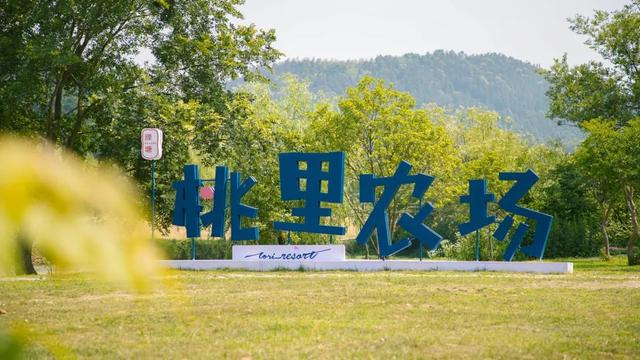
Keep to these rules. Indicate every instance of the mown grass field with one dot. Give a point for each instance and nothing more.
(593, 313)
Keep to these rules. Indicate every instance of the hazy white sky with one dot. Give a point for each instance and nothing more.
(531, 30)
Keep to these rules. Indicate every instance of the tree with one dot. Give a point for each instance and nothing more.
(450, 79)
(596, 90)
(68, 74)
(50, 198)
(570, 197)
(604, 187)
(609, 157)
(251, 144)
(378, 126)
(603, 99)
(486, 149)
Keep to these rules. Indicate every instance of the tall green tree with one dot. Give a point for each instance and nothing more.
(68, 74)
(251, 144)
(604, 98)
(485, 150)
(378, 126)
(609, 156)
(592, 160)
(567, 194)
(609, 90)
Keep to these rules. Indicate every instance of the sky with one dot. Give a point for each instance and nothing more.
(534, 31)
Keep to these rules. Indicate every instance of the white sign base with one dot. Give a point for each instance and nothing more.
(288, 252)
(376, 265)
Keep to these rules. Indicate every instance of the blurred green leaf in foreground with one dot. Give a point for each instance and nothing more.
(78, 215)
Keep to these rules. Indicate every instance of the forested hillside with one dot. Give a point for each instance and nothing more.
(509, 86)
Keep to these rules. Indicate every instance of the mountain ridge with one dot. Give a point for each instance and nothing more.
(512, 87)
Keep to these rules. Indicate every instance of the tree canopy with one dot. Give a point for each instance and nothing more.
(597, 90)
(68, 74)
(604, 99)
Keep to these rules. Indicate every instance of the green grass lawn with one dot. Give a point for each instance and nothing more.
(593, 313)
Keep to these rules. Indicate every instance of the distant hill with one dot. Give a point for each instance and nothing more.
(509, 86)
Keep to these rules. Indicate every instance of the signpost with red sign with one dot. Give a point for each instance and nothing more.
(151, 149)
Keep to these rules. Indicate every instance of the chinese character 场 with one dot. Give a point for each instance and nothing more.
(187, 206)
(312, 178)
(378, 220)
(478, 199)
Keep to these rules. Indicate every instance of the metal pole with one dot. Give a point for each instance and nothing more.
(477, 245)
(153, 195)
(193, 248)
(419, 243)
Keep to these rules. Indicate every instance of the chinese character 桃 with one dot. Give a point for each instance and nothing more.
(186, 208)
(187, 205)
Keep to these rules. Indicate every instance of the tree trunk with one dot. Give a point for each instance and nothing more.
(632, 257)
(603, 228)
(77, 126)
(24, 265)
(490, 245)
(393, 219)
(605, 236)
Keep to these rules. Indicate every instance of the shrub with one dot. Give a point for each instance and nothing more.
(634, 256)
(205, 249)
(573, 239)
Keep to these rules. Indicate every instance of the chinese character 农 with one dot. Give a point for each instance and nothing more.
(312, 178)
(378, 220)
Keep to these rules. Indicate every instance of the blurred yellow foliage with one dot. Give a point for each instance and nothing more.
(78, 215)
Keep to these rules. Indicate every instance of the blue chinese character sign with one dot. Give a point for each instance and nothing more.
(509, 202)
(478, 200)
(216, 216)
(240, 210)
(378, 220)
(187, 206)
(312, 178)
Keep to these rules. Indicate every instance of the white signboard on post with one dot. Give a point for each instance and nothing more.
(151, 143)
(288, 252)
